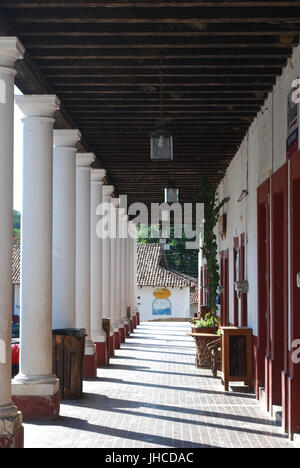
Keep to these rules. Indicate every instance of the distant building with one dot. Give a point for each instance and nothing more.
(163, 293)
(16, 279)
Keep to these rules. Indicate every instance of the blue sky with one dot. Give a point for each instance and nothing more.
(18, 150)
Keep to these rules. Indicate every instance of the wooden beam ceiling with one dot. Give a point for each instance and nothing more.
(218, 59)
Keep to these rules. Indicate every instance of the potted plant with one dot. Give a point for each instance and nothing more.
(208, 324)
(206, 328)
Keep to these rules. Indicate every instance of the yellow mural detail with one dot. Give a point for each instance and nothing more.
(162, 293)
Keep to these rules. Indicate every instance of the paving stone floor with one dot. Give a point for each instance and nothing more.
(152, 396)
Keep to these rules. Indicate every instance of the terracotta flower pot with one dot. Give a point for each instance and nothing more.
(209, 330)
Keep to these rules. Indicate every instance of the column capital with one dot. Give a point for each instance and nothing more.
(84, 160)
(38, 105)
(98, 175)
(11, 50)
(107, 190)
(67, 138)
(115, 202)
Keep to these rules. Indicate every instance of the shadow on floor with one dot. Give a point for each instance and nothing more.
(117, 406)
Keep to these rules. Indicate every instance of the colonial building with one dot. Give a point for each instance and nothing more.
(16, 279)
(162, 293)
(260, 248)
(141, 99)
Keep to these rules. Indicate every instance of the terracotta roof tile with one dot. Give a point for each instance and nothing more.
(16, 267)
(151, 273)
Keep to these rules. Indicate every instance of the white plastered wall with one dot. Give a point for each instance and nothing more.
(262, 152)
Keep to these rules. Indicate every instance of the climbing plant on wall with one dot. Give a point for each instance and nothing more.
(207, 194)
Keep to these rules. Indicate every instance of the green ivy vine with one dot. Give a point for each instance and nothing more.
(207, 194)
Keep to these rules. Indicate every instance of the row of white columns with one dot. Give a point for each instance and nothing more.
(10, 419)
(69, 276)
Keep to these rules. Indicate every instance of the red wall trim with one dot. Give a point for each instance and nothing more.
(236, 243)
(293, 383)
(244, 300)
(263, 293)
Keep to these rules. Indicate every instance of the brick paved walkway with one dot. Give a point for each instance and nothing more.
(153, 396)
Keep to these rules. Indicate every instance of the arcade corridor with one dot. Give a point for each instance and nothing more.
(152, 396)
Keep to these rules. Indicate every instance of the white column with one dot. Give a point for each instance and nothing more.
(10, 51)
(83, 246)
(97, 333)
(134, 284)
(107, 191)
(132, 260)
(36, 249)
(64, 228)
(128, 268)
(119, 272)
(124, 289)
(114, 256)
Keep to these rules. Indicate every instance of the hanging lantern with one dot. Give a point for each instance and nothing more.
(161, 143)
(171, 193)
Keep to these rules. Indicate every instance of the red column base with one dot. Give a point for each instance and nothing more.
(123, 334)
(16, 441)
(111, 346)
(131, 325)
(138, 316)
(293, 406)
(117, 340)
(38, 408)
(127, 329)
(101, 350)
(90, 366)
(134, 322)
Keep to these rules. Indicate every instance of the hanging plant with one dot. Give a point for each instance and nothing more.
(207, 194)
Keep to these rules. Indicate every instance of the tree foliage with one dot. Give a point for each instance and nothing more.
(16, 226)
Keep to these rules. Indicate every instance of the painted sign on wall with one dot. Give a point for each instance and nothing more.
(162, 304)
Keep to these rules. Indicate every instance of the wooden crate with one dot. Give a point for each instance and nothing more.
(68, 359)
(237, 360)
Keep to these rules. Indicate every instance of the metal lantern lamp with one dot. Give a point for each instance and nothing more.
(161, 143)
(171, 193)
(161, 138)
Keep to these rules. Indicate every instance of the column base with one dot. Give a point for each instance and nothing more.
(138, 317)
(293, 405)
(117, 339)
(102, 355)
(11, 432)
(112, 345)
(123, 334)
(134, 322)
(131, 325)
(36, 401)
(90, 366)
(127, 329)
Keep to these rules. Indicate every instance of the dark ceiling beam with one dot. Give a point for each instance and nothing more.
(146, 4)
(144, 53)
(157, 42)
(168, 73)
(284, 31)
(197, 15)
(154, 63)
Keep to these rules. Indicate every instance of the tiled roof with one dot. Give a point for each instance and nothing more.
(151, 257)
(16, 264)
(194, 296)
(150, 270)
